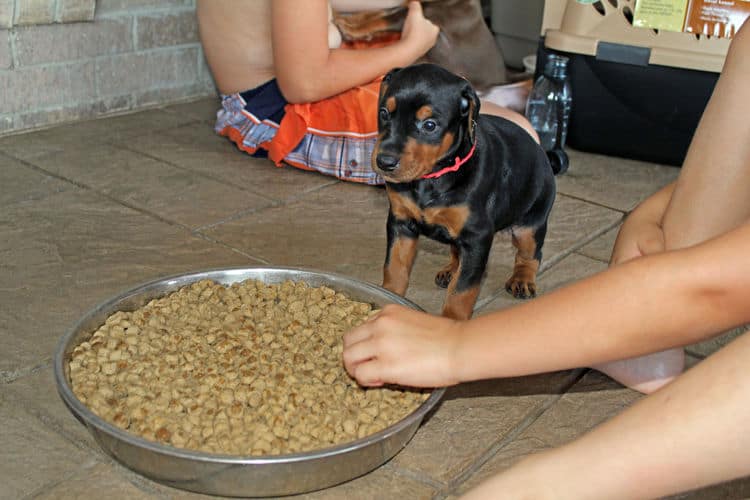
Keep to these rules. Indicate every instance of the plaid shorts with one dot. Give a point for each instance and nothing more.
(334, 136)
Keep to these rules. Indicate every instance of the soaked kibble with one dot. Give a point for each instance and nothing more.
(246, 369)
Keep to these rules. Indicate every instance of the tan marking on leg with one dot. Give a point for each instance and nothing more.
(459, 305)
(453, 219)
(522, 283)
(398, 269)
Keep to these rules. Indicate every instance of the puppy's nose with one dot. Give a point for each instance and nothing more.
(386, 162)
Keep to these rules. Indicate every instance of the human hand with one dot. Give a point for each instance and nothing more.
(637, 237)
(419, 33)
(402, 346)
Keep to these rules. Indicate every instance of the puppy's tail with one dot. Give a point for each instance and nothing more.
(558, 158)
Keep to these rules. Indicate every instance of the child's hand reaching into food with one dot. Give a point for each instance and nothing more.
(402, 346)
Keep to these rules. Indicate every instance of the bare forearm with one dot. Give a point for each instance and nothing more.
(642, 306)
(344, 69)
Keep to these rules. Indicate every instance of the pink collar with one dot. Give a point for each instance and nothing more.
(452, 168)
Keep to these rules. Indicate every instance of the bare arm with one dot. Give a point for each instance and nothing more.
(653, 303)
(307, 70)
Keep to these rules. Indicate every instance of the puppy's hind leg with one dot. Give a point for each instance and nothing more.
(528, 242)
(444, 276)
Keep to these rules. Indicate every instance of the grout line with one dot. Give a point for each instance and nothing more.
(416, 476)
(596, 203)
(229, 247)
(577, 252)
(9, 376)
(204, 175)
(90, 464)
(193, 232)
(273, 204)
(98, 192)
(107, 115)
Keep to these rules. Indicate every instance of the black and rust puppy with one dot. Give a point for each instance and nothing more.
(457, 177)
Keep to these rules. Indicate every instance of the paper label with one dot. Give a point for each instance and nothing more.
(721, 18)
(660, 14)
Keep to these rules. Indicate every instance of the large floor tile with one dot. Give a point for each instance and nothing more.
(78, 136)
(601, 248)
(32, 455)
(201, 109)
(473, 418)
(613, 182)
(23, 184)
(36, 392)
(340, 228)
(569, 270)
(96, 481)
(588, 403)
(175, 194)
(196, 147)
(63, 255)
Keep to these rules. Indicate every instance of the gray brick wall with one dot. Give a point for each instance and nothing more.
(133, 54)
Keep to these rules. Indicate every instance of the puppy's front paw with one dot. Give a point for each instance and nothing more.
(443, 278)
(520, 288)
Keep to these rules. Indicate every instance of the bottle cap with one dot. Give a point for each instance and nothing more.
(556, 65)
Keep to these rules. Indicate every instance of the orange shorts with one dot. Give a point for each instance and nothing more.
(334, 136)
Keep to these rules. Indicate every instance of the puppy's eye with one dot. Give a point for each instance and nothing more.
(384, 114)
(429, 125)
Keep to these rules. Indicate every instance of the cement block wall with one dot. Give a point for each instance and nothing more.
(132, 54)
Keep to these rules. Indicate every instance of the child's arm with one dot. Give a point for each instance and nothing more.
(308, 70)
(645, 305)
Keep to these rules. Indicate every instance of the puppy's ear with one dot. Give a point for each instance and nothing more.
(469, 108)
(386, 80)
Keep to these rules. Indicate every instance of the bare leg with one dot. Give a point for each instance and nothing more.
(710, 196)
(690, 434)
(513, 96)
(491, 108)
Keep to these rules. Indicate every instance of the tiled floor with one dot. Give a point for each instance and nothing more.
(92, 209)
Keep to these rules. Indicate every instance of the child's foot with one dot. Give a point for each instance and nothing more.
(647, 373)
(512, 95)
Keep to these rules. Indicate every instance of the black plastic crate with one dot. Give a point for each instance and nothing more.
(623, 106)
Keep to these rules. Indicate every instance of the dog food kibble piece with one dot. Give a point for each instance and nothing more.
(246, 369)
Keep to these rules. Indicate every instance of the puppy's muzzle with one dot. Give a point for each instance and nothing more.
(386, 162)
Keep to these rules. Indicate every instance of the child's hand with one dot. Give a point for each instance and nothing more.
(419, 33)
(402, 346)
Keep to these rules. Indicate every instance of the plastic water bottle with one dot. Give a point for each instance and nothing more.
(548, 109)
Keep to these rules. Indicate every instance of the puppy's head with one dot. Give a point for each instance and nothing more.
(425, 114)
